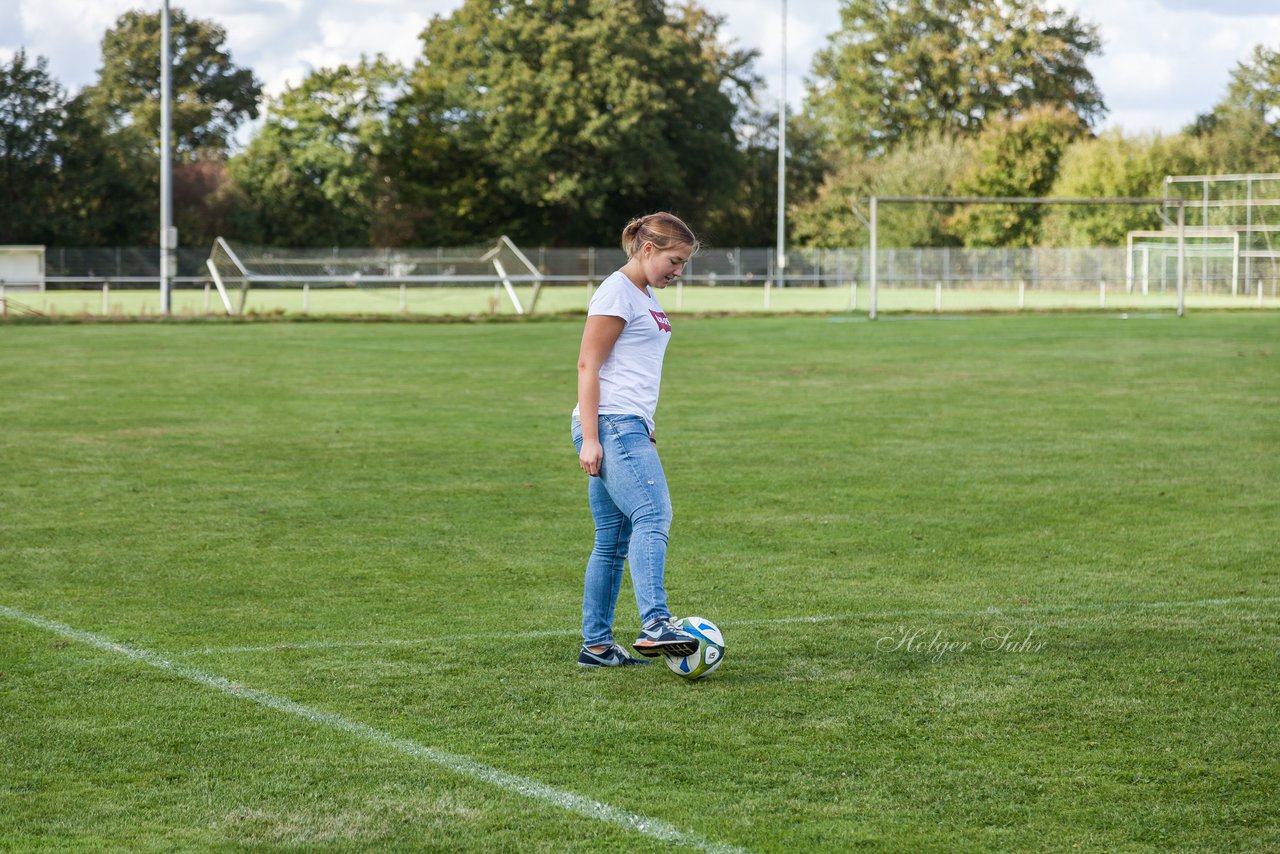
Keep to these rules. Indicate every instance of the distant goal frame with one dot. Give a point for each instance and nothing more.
(874, 202)
(244, 276)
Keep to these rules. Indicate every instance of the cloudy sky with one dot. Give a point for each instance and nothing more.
(1164, 61)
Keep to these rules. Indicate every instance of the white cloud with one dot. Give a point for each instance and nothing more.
(1248, 8)
(284, 47)
(1141, 72)
(1167, 61)
(757, 24)
(69, 34)
(10, 23)
(1226, 40)
(1168, 120)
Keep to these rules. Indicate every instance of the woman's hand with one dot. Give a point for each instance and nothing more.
(590, 457)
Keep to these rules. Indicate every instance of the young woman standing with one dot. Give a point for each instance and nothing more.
(619, 372)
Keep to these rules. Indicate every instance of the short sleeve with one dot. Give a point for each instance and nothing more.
(611, 299)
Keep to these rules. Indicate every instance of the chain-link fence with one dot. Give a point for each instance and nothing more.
(717, 279)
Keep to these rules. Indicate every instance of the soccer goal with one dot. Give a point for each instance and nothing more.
(1009, 277)
(1232, 236)
(372, 280)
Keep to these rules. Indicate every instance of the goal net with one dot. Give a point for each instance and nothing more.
(1211, 241)
(1021, 266)
(1232, 236)
(374, 279)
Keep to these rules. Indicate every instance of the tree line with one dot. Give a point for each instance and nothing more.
(553, 121)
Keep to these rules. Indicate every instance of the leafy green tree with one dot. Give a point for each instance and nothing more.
(1242, 131)
(437, 160)
(930, 165)
(557, 120)
(105, 194)
(212, 97)
(1015, 157)
(207, 204)
(898, 68)
(62, 180)
(31, 113)
(1117, 166)
(313, 171)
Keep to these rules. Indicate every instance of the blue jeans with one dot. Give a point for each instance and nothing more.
(632, 511)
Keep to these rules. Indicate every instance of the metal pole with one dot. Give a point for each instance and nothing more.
(1182, 257)
(772, 271)
(1235, 261)
(166, 170)
(872, 261)
(1204, 258)
(1128, 264)
(782, 159)
(1248, 229)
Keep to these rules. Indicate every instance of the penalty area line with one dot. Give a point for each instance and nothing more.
(457, 763)
(357, 644)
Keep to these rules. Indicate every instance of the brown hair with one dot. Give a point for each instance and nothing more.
(662, 229)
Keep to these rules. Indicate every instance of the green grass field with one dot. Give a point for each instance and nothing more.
(995, 583)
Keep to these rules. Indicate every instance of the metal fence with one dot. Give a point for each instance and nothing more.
(719, 277)
(71, 267)
(953, 267)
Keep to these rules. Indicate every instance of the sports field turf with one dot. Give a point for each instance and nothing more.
(995, 583)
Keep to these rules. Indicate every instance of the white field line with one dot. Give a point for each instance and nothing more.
(454, 762)
(328, 644)
(765, 621)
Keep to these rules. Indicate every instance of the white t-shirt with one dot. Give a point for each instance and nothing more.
(631, 374)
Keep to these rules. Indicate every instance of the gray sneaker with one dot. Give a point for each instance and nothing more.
(665, 637)
(614, 656)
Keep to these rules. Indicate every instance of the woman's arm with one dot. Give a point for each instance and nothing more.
(598, 338)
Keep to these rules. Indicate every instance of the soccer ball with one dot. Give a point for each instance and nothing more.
(706, 658)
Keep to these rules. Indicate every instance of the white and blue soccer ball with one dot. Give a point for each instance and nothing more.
(707, 657)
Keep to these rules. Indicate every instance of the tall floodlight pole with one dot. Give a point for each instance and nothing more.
(782, 159)
(167, 235)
